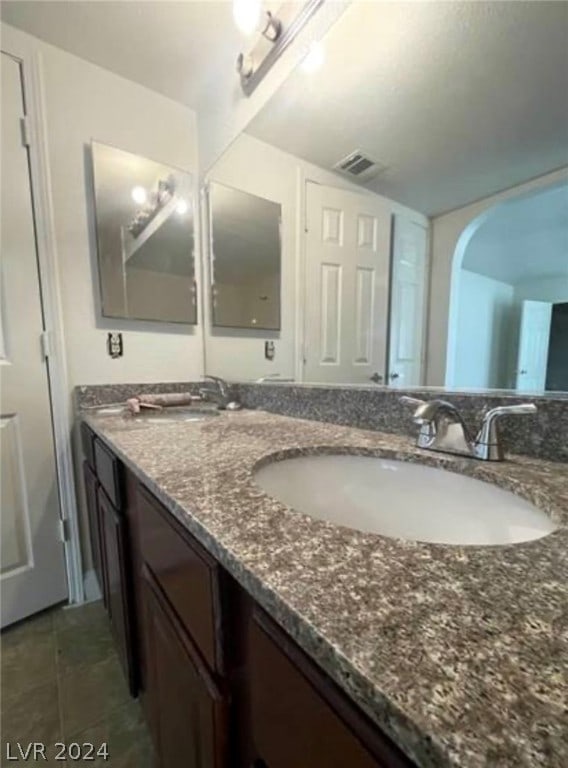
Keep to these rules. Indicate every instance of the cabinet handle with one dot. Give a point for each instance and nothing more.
(376, 377)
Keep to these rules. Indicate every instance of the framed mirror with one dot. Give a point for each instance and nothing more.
(144, 213)
(424, 201)
(245, 259)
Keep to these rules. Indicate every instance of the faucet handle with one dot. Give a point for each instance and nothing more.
(487, 444)
(505, 410)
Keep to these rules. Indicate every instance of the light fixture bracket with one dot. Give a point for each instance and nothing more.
(272, 28)
(252, 67)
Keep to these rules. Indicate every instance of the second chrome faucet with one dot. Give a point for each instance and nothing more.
(442, 428)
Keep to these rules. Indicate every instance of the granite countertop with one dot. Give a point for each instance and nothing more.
(460, 654)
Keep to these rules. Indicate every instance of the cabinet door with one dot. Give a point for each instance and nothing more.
(188, 711)
(91, 489)
(117, 576)
(299, 718)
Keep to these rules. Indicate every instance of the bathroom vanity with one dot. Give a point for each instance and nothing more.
(258, 636)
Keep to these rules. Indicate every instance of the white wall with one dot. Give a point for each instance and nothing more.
(553, 289)
(264, 170)
(445, 235)
(85, 102)
(485, 325)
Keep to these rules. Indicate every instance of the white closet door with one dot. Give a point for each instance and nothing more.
(32, 569)
(408, 302)
(346, 292)
(534, 339)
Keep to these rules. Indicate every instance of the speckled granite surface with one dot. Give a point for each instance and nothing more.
(544, 435)
(460, 654)
(95, 395)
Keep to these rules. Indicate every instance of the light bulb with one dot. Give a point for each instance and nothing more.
(314, 58)
(182, 207)
(246, 14)
(139, 195)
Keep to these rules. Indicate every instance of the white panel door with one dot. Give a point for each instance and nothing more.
(534, 338)
(408, 302)
(32, 569)
(346, 292)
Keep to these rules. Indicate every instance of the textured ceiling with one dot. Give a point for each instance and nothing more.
(458, 99)
(175, 48)
(523, 239)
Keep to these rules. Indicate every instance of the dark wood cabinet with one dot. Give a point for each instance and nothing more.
(117, 578)
(188, 709)
(298, 717)
(222, 685)
(91, 494)
(188, 576)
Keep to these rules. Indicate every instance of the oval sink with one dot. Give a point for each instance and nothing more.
(169, 415)
(402, 500)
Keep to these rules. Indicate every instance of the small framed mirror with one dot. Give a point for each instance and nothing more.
(245, 260)
(144, 215)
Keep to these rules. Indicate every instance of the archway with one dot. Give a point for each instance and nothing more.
(509, 262)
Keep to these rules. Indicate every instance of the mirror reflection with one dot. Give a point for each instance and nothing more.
(424, 201)
(245, 263)
(145, 237)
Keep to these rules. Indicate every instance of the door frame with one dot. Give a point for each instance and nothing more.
(46, 248)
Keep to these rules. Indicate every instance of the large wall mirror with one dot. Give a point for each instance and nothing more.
(420, 157)
(245, 259)
(145, 237)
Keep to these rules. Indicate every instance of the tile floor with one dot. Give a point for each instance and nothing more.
(61, 681)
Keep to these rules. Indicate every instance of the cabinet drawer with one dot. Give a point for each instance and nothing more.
(187, 575)
(108, 472)
(88, 443)
(300, 719)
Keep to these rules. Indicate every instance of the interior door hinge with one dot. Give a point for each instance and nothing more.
(45, 344)
(63, 530)
(25, 128)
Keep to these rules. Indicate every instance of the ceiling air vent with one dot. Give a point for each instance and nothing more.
(359, 165)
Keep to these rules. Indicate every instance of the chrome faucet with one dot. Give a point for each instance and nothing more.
(442, 428)
(219, 394)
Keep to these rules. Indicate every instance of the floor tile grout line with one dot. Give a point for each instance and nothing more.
(58, 678)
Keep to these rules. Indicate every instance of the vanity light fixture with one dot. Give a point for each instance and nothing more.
(249, 18)
(246, 14)
(280, 31)
(139, 195)
(151, 204)
(182, 207)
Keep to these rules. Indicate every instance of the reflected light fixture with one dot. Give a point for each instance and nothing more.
(182, 207)
(314, 57)
(139, 195)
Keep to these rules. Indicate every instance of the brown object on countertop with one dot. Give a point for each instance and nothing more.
(166, 400)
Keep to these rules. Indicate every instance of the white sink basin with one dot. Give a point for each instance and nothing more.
(402, 500)
(169, 415)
